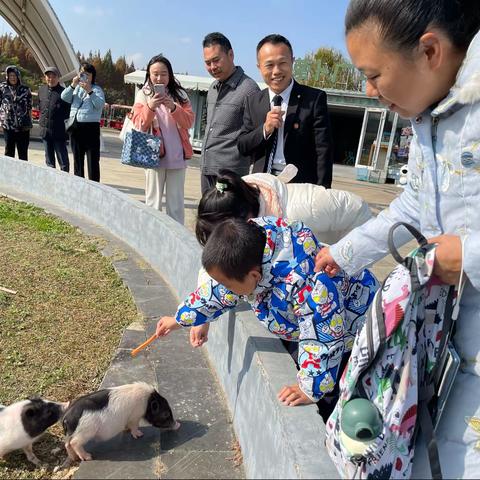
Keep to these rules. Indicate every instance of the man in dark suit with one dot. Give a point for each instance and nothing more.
(287, 122)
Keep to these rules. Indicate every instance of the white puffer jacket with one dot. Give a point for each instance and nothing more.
(331, 214)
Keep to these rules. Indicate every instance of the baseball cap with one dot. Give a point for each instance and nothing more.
(53, 70)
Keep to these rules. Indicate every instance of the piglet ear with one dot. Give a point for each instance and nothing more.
(29, 412)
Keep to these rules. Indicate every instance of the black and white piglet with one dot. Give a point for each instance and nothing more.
(22, 423)
(103, 414)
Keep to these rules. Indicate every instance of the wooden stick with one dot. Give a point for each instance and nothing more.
(143, 345)
(3, 289)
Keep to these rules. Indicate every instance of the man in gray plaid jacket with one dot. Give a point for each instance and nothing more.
(225, 105)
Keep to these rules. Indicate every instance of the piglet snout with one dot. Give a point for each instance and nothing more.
(176, 425)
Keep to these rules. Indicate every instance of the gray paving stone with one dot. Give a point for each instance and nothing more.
(196, 436)
(127, 369)
(157, 306)
(137, 276)
(178, 354)
(186, 464)
(132, 339)
(123, 457)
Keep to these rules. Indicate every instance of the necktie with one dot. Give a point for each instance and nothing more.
(277, 102)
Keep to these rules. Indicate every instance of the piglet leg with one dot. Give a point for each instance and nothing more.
(77, 447)
(31, 456)
(71, 452)
(134, 430)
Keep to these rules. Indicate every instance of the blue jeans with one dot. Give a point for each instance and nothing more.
(58, 147)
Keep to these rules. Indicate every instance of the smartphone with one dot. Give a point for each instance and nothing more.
(83, 77)
(159, 88)
(451, 365)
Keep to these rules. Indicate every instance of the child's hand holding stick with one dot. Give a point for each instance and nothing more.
(164, 326)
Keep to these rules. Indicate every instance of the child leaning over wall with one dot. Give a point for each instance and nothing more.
(269, 263)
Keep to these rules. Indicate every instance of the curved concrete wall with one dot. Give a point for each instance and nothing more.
(252, 366)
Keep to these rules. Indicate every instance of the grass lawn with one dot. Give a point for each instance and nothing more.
(59, 331)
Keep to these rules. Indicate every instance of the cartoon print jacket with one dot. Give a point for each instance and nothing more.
(15, 104)
(323, 314)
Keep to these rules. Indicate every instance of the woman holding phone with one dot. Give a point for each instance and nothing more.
(87, 100)
(162, 107)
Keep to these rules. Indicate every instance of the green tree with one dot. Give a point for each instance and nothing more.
(14, 52)
(328, 68)
(110, 73)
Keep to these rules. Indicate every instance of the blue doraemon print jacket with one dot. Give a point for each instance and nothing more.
(292, 301)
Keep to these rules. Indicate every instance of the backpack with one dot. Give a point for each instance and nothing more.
(388, 390)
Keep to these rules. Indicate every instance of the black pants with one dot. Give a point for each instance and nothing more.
(85, 139)
(327, 403)
(20, 140)
(59, 147)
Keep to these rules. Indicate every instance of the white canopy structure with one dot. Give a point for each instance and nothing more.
(40, 29)
(189, 82)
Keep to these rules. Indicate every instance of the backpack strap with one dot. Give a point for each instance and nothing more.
(391, 244)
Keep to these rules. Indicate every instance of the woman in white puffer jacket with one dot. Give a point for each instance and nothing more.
(330, 214)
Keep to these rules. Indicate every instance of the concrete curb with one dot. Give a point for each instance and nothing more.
(276, 441)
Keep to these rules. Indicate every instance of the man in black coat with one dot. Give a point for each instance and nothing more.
(53, 113)
(287, 122)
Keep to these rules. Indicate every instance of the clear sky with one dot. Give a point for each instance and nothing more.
(139, 29)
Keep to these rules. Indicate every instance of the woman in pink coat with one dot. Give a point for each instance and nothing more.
(165, 111)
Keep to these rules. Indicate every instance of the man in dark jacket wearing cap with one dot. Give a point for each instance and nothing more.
(53, 113)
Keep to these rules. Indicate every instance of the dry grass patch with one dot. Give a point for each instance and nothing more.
(59, 331)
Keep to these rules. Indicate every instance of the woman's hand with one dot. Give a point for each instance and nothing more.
(87, 86)
(324, 261)
(75, 80)
(448, 258)
(199, 335)
(168, 102)
(165, 325)
(292, 396)
(154, 102)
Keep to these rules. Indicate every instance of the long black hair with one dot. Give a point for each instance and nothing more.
(177, 92)
(230, 198)
(403, 22)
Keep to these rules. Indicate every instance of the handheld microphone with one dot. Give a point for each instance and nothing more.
(277, 103)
